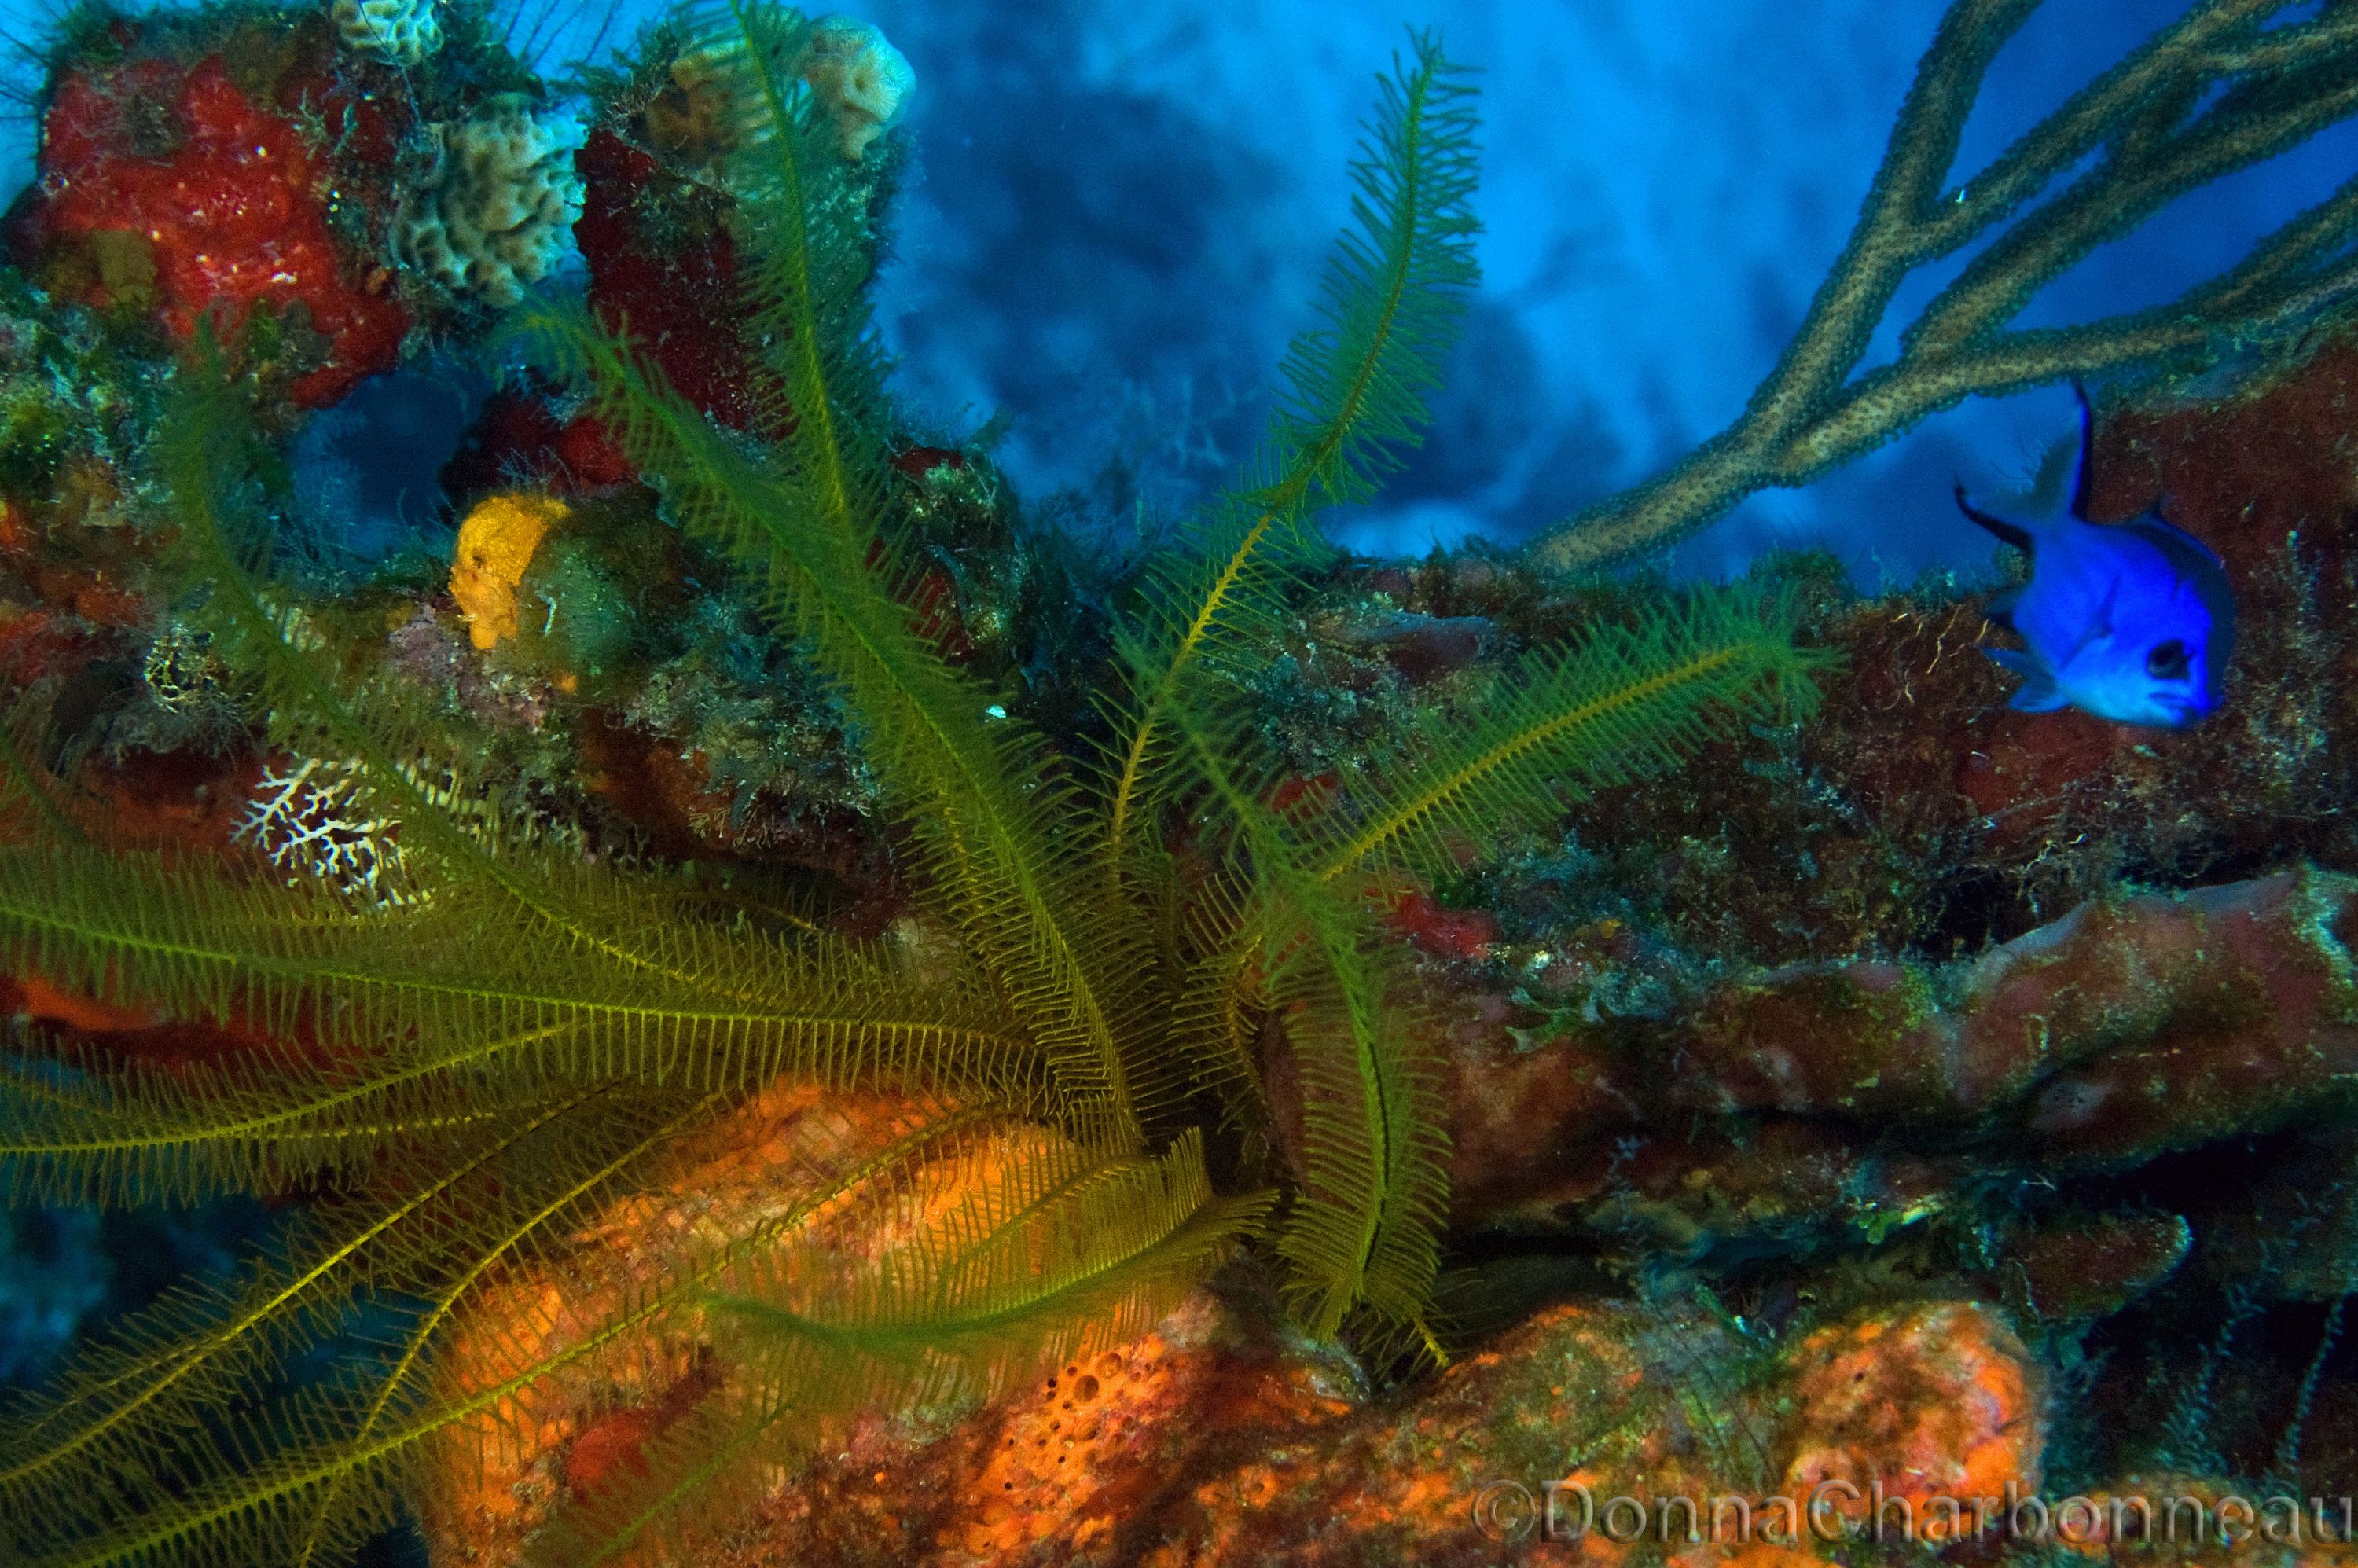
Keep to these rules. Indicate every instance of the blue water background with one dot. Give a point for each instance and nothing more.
(1119, 209)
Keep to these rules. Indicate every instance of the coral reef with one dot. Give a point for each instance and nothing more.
(762, 1165)
(304, 186)
(660, 263)
(1877, 996)
(654, 228)
(1942, 1401)
(761, 974)
(1217, 1437)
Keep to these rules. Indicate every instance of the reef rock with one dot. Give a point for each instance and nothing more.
(2130, 1028)
(1218, 1438)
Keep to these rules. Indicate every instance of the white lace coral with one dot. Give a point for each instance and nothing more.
(312, 819)
(490, 218)
(398, 32)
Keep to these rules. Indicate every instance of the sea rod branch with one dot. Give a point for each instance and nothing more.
(2214, 91)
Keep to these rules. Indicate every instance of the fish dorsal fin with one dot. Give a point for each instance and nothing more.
(2087, 448)
(2187, 556)
(2014, 534)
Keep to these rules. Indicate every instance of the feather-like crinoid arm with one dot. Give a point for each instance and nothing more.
(182, 1441)
(804, 519)
(81, 1127)
(414, 1022)
(883, 1253)
(1361, 1236)
(1025, 1254)
(1558, 723)
(1353, 399)
(1394, 293)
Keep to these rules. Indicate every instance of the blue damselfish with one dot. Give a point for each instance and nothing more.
(2132, 622)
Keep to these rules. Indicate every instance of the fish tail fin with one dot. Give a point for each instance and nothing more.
(2038, 692)
(2012, 533)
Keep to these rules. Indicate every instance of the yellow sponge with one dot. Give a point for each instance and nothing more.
(496, 545)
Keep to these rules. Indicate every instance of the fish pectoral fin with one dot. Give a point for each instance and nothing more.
(2102, 625)
(2037, 692)
(2082, 460)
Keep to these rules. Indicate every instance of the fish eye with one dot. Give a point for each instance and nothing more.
(2169, 660)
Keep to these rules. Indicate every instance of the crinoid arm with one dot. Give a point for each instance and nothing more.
(805, 520)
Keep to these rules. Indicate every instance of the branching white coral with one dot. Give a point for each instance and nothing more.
(490, 216)
(858, 77)
(398, 32)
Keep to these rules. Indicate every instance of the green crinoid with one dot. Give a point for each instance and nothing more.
(481, 1067)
